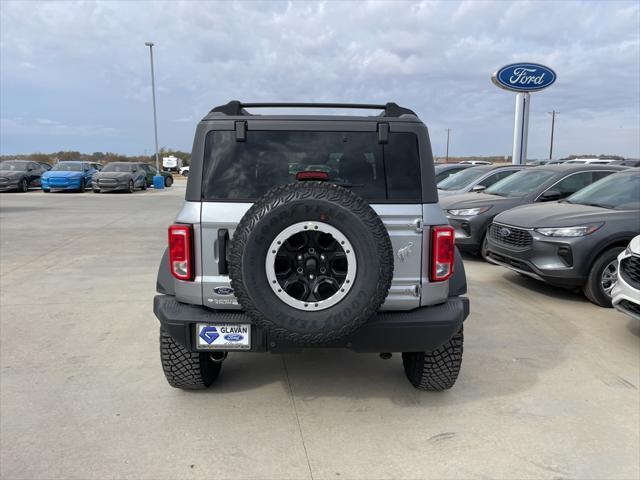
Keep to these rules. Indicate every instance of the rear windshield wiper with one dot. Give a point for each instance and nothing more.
(348, 185)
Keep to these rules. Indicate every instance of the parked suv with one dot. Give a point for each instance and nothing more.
(311, 231)
(19, 175)
(471, 213)
(476, 179)
(573, 243)
(126, 176)
(625, 295)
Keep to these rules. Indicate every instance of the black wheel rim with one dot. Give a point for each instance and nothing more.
(312, 267)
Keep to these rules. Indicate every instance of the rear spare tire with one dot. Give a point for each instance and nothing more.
(310, 262)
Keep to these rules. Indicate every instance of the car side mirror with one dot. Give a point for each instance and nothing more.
(135, 169)
(478, 188)
(550, 195)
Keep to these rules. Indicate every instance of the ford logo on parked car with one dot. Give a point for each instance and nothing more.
(223, 291)
(524, 77)
(233, 337)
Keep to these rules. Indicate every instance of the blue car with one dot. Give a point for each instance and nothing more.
(71, 175)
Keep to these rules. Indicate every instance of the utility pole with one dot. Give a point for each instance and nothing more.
(553, 124)
(447, 157)
(158, 180)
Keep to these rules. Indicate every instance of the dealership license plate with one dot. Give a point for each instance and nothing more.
(221, 336)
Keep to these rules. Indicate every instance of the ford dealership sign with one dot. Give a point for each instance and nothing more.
(524, 77)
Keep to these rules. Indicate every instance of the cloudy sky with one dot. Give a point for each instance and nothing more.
(76, 75)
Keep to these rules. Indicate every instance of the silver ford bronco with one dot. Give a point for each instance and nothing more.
(311, 231)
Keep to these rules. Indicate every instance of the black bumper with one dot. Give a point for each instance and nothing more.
(422, 329)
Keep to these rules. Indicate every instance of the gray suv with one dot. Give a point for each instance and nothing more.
(575, 242)
(303, 231)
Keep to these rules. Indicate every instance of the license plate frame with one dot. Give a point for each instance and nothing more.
(223, 336)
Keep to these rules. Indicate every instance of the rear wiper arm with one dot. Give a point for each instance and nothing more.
(348, 185)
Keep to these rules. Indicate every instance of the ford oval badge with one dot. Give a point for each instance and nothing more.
(233, 337)
(524, 77)
(223, 291)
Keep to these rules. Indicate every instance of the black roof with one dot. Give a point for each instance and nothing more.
(235, 108)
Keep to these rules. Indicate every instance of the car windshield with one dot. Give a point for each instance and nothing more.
(117, 167)
(520, 184)
(15, 166)
(619, 191)
(67, 167)
(463, 178)
(443, 171)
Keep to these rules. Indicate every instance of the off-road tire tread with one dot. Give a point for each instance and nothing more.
(437, 370)
(184, 369)
(313, 191)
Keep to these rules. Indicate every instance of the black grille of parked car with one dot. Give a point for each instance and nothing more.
(630, 307)
(510, 236)
(514, 262)
(107, 182)
(630, 270)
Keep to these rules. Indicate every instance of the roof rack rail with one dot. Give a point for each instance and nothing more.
(236, 108)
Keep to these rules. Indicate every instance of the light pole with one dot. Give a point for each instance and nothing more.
(447, 156)
(158, 180)
(553, 124)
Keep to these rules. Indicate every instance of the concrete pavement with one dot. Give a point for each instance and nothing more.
(548, 389)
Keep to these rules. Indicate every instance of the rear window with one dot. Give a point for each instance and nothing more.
(245, 171)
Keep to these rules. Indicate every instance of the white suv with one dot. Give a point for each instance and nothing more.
(626, 293)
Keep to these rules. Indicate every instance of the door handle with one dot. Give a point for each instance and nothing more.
(223, 239)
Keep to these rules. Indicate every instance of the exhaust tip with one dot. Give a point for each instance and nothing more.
(386, 355)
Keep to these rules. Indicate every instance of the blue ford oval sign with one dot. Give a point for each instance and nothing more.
(524, 77)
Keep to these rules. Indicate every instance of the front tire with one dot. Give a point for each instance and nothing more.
(132, 186)
(168, 181)
(437, 370)
(602, 278)
(24, 185)
(184, 369)
(82, 186)
(484, 248)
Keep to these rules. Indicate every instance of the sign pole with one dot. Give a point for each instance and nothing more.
(447, 157)
(521, 128)
(553, 124)
(523, 78)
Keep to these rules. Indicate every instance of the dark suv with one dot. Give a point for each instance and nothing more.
(311, 231)
(575, 242)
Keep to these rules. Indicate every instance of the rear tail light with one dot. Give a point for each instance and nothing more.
(442, 253)
(180, 251)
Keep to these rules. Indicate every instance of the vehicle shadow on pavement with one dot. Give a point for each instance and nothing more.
(634, 327)
(317, 375)
(574, 295)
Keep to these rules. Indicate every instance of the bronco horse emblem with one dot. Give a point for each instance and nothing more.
(404, 252)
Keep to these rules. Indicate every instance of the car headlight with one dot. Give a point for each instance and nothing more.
(467, 212)
(579, 231)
